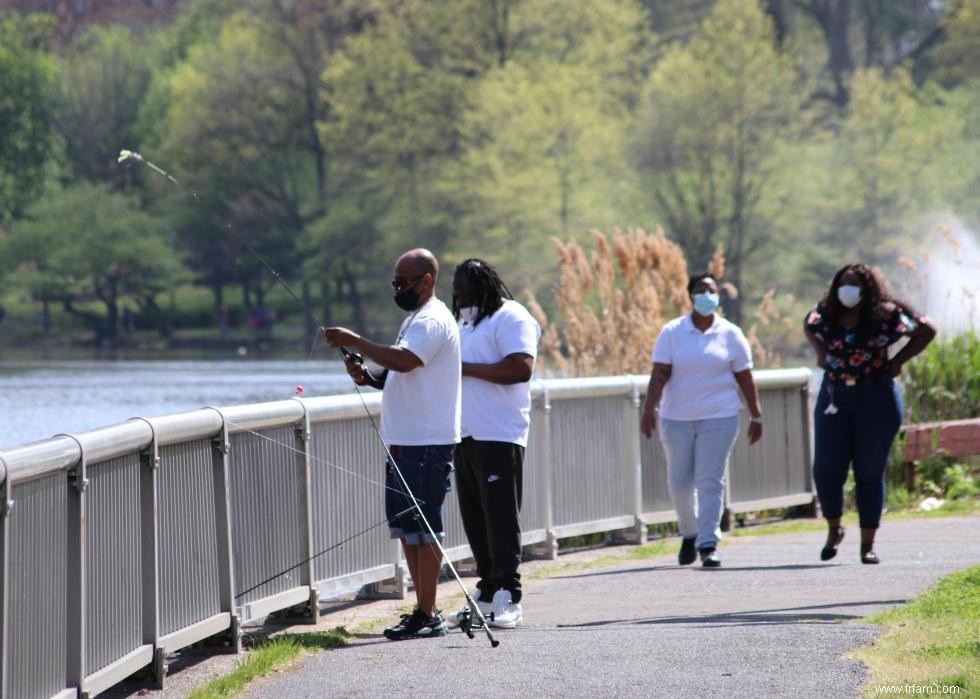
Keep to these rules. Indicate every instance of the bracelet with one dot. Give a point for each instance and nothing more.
(756, 420)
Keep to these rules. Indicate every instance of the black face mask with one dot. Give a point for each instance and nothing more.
(407, 300)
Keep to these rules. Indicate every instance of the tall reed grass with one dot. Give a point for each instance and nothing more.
(943, 383)
(613, 301)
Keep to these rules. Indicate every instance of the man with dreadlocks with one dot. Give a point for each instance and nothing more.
(498, 344)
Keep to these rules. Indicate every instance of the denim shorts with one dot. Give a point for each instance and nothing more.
(427, 470)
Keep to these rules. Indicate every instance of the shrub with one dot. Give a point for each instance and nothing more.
(943, 383)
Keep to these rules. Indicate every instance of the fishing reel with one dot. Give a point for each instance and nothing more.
(467, 621)
(352, 357)
(464, 620)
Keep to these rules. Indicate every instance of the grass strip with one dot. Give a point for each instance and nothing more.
(931, 642)
(268, 654)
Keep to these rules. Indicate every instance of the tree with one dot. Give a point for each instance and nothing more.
(719, 112)
(234, 133)
(546, 158)
(957, 60)
(871, 33)
(544, 148)
(27, 139)
(889, 164)
(72, 17)
(395, 96)
(86, 241)
(105, 77)
(310, 32)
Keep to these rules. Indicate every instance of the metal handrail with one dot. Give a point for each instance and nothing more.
(220, 471)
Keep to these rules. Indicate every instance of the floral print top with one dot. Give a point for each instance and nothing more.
(853, 355)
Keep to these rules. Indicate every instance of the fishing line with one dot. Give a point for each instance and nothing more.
(348, 356)
(316, 338)
(317, 555)
(317, 459)
(132, 155)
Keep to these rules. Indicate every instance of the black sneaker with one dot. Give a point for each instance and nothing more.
(688, 554)
(709, 558)
(417, 625)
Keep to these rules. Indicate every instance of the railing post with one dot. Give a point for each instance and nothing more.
(813, 508)
(6, 504)
(631, 432)
(220, 461)
(75, 646)
(303, 435)
(149, 468)
(550, 471)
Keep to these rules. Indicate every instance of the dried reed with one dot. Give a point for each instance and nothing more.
(613, 302)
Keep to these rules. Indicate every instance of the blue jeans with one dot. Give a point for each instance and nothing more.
(860, 432)
(427, 471)
(697, 454)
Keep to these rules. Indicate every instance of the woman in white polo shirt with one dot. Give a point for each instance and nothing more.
(700, 361)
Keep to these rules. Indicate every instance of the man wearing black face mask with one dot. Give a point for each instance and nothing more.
(420, 423)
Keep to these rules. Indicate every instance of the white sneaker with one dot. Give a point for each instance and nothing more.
(506, 614)
(484, 607)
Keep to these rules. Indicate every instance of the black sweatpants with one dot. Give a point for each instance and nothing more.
(488, 486)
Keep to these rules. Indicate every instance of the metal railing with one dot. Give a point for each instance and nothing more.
(125, 543)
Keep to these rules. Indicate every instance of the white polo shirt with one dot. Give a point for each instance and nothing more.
(422, 406)
(702, 381)
(494, 412)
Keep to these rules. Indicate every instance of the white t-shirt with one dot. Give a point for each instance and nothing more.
(422, 406)
(702, 381)
(494, 412)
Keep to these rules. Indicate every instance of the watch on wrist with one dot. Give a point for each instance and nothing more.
(756, 420)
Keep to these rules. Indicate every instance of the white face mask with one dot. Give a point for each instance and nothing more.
(467, 314)
(849, 295)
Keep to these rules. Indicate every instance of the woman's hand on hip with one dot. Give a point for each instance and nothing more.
(648, 424)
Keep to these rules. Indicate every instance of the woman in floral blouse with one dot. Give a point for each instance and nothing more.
(859, 409)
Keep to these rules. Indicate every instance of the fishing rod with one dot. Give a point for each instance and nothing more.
(474, 614)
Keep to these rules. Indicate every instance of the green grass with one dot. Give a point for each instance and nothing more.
(932, 640)
(267, 655)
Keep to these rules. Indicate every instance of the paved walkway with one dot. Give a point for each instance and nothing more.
(766, 624)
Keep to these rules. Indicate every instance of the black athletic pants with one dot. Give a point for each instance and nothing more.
(488, 486)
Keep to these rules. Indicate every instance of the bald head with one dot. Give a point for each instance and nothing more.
(415, 273)
(418, 261)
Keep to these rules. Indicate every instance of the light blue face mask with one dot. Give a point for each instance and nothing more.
(705, 304)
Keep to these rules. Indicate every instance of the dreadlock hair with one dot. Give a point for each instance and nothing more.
(487, 289)
(875, 299)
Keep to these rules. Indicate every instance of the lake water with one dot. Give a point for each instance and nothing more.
(41, 398)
